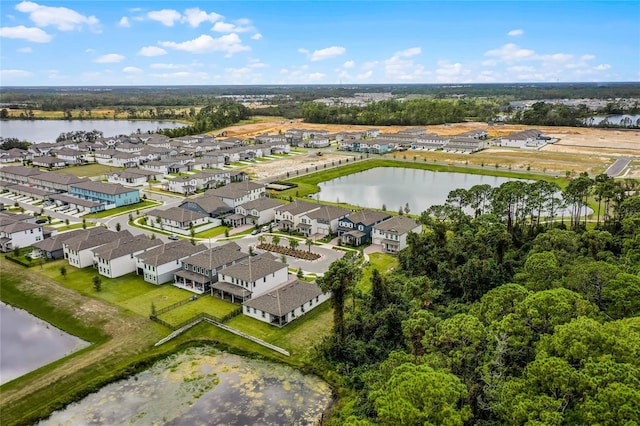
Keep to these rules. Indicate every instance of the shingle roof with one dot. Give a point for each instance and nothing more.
(104, 188)
(217, 256)
(55, 242)
(170, 252)
(262, 203)
(254, 268)
(93, 237)
(208, 203)
(285, 298)
(399, 224)
(234, 190)
(125, 245)
(177, 214)
(329, 213)
(297, 206)
(368, 217)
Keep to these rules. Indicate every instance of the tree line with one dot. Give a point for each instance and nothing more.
(211, 117)
(496, 314)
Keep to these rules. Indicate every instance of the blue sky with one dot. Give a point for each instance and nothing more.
(58, 43)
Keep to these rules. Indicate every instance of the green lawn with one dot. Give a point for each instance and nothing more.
(75, 226)
(213, 232)
(90, 170)
(206, 303)
(144, 204)
(383, 262)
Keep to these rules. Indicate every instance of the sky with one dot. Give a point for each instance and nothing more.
(106, 43)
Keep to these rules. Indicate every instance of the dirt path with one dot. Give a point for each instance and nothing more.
(130, 334)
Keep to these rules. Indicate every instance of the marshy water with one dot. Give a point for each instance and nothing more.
(203, 386)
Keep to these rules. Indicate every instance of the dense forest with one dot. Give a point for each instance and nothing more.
(497, 315)
(210, 118)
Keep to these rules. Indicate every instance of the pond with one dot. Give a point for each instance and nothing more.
(205, 386)
(394, 187)
(27, 343)
(624, 120)
(49, 130)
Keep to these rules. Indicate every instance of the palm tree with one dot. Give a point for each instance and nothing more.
(261, 239)
(275, 240)
(308, 242)
(293, 243)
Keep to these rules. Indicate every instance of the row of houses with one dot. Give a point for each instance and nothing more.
(19, 230)
(223, 271)
(60, 189)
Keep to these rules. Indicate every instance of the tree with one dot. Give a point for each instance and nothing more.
(16, 251)
(63, 271)
(118, 227)
(308, 242)
(300, 274)
(406, 208)
(293, 243)
(97, 283)
(339, 280)
(275, 240)
(84, 223)
(262, 239)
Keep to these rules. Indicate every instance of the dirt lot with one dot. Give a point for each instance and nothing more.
(577, 149)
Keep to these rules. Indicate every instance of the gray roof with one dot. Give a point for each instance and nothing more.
(208, 203)
(28, 189)
(216, 257)
(397, 224)
(234, 190)
(21, 170)
(60, 178)
(18, 226)
(55, 242)
(170, 252)
(285, 298)
(262, 203)
(48, 160)
(177, 214)
(254, 268)
(75, 200)
(104, 188)
(297, 207)
(125, 245)
(368, 217)
(93, 237)
(329, 213)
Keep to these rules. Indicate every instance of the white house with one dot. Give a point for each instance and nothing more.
(323, 221)
(259, 211)
(238, 193)
(286, 302)
(117, 257)
(392, 233)
(288, 216)
(159, 264)
(78, 250)
(250, 277)
(16, 231)
(175, 217)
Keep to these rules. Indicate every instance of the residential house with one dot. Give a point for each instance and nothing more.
(54, 182)
(14, 155)
(531, 139)
(323, 221)
(318, 140)
(285, 303)
(250, 277)
(209, 205)
(464, 144)
(196, 182)
(18, 231)
(200, 271)
(78, 250)
(288, 216)
(18, 174)
(52, 247)
(126, 159)
(430, 142)
(259, 211)
(109, 194)
(49, 162)
(71, 156)
(375, 146)
(238, 193)
(392, 233)
(159, 264)
(117, 257)
(133, 177)
(355, 229)
(176, 218)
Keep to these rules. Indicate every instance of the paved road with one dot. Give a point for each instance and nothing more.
(616, 168)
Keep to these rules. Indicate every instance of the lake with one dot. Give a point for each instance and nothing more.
(201, 386)
(625, 120)
(49, 130)
(394, 187)
(28, 343)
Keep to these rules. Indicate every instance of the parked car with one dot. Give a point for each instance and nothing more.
(173, 237)
(265, 229)
(39, 221)
(255, 232)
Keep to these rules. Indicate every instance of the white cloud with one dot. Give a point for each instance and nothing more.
(132, 70)
(407, 53)
(183, 75)
(451, 73)
(152, 51)
(229, 44)
(369, 65)
(489, 63)
(521, 69)
(90, 51)
(365, 76)
(322, 54)
(166, 17)
(61, 18)
(162, 66)
(587, 57)
(510, 52)
(14, 74)
(33, 34)
(109, 58)
(284, 71)
(195, 17)
(226, 27)
(349, 64)
(124, 22)
(256, 63)
(515, 33)
(25, 50)
(315, 76)
(602, 67)
(256, 36)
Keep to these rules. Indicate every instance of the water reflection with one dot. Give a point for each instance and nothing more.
(28, 343)
(202, 386)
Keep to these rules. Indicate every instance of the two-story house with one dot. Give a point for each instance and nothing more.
(323, 221)
(117, 258)
(209, 205)
(355, 229)
(238, 193)
(111, 195)
(18, 231)
(288, 216)
(258, 212)
(78, 250)
(159, 264)
(201, 270)
(250, 277)
(392, 233)
(175, 218)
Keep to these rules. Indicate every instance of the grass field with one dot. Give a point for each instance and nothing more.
(89, 170)
(144, 204)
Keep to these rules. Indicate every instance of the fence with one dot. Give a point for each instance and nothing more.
(175, 305)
